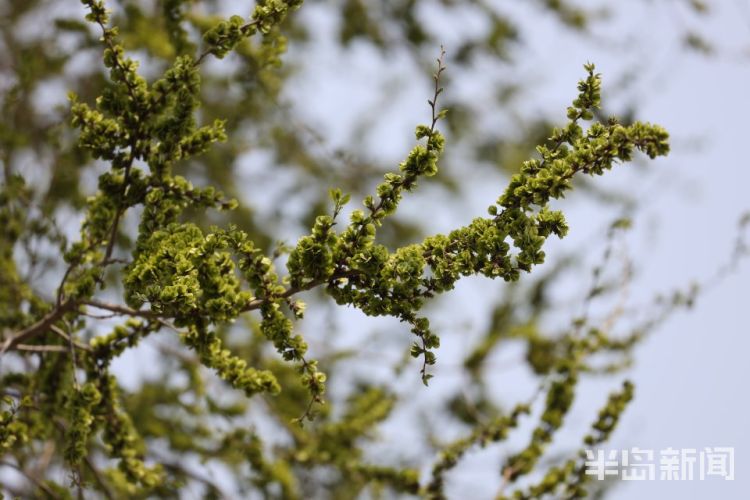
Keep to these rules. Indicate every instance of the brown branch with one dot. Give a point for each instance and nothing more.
(48, 452)
(258, 303)
(179, 468)
(47, 322)
(121, 208)
(98, 478)
(107, 38)
(60, 289)
(41, 348)
(120, 309)
(42, 325)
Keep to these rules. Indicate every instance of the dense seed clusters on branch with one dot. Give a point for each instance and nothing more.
(181, 278)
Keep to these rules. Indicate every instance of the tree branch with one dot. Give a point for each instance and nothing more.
(121, 310)
(42, 325)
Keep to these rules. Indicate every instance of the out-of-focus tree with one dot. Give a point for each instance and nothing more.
(145, 224)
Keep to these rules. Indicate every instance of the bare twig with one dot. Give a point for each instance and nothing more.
(118, 309)
(69, 338)
(41, 348)
(98, 478)
(42, 325)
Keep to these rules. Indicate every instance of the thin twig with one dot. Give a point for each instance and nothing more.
(42, 325)
(98, 478)
(74, 364)
(41, 348)
(69, 338)
(120, 309)
(177, 467)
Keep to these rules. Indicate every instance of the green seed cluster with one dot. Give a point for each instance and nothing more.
(194, 281)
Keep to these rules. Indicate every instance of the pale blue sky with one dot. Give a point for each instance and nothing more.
(690, 375)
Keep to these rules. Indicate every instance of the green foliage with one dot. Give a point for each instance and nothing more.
(192, 264)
